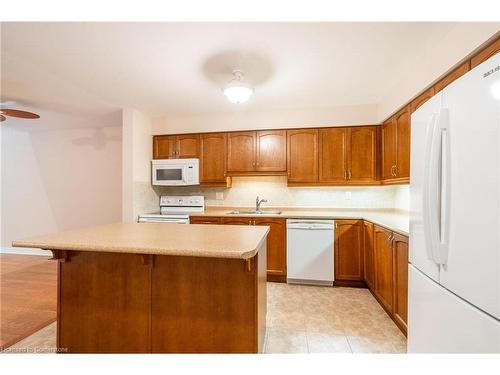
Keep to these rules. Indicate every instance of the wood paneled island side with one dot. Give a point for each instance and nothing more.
(160, 288)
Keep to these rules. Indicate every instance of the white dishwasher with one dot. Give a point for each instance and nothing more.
(309, 251)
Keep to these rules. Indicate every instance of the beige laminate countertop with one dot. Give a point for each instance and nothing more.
(395, 220)
(225, 241)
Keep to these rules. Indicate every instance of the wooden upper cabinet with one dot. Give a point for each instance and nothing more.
(348, 256)
(369, 255)
(164, 146)
(213, 158)
(400, 279)
(362, 154)
(175, 146)
(302, 158)
(421, 99)
(383, 266)
(332, 155)
(241, 152)
(403, 133)
(388, 148)
(485, 54)
(187, 146)
(276, 245)
(455, 74)
(271, 151)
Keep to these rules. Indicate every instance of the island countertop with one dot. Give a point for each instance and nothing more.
(225, 241)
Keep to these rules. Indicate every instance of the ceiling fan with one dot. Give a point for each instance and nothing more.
(16, 113)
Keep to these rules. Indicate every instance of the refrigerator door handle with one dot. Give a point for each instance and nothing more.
(431, 191)
(445, 188)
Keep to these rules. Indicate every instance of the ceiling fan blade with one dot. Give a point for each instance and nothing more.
(18, 113)
(2, 118)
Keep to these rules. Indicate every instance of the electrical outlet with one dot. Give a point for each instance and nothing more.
(348, 196)
(219, 195)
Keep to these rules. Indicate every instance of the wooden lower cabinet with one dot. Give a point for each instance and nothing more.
(205, 220)
(369, 254)
(384, 269)
(348, 257)
(276, 240)
(276, 248)
(400, 280)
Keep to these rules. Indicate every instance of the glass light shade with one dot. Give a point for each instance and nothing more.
(238, 91)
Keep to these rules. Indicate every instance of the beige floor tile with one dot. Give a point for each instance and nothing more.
(285, 341)
(324, 324)
(370, 345)
(290, 320)
(327, 343)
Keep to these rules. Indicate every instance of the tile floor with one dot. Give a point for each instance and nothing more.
(302, 319)
(309, 319)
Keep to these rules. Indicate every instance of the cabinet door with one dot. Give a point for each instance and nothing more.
(187, 146)
(237, 220)
(205, 220)
(213, 158)
(271, 151)
(241, 152)
(400, 249)
(164, 146)
(402, 120)
(361, 155)
(383, 267)
(276, 245)
(302, 158)
(369, 257)
(332, 155)
(421, 99)
(388, 141)
(348, 257)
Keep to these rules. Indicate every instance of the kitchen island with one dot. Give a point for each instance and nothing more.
(159, 288)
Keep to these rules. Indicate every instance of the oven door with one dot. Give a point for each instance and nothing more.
(169, 175)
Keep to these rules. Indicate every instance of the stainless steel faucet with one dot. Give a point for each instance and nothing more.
(258, 203)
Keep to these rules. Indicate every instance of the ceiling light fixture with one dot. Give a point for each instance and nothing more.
(237, 90)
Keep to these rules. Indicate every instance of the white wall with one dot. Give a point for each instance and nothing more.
(278, 119)
(436, 61)
(138, 194)
(57, 175)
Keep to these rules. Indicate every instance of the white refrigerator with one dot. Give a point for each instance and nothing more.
(454, 270)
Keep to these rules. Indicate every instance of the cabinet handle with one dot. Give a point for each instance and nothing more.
(345, 175)
(350, 174)
(395, 170)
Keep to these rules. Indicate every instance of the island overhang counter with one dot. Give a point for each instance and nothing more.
(159, 288)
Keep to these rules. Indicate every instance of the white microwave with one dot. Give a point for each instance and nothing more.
(175, 172)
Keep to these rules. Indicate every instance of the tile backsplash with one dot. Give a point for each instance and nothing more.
(278, 194)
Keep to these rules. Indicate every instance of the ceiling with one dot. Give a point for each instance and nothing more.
(165, 68)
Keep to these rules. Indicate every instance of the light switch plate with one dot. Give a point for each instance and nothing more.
(219, 195)
(348, 196)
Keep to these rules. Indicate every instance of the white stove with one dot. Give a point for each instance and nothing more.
(175, 209)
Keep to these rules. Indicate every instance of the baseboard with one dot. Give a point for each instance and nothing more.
(24, 251)
(276, 278)
(350, 283)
